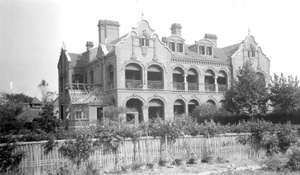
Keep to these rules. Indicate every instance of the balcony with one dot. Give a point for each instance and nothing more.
(210, 87)
(155, 84)
(193, 86)
(135, 84)
(178, 86)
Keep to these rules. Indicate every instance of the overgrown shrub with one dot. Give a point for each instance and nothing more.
(9, 157)
(78, 149)
(294, 161)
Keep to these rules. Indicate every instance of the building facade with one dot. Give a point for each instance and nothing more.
(158, 77)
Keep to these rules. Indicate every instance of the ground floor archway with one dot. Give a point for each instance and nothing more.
(156, 109)
(138, 106)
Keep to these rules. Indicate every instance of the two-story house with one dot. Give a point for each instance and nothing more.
(157, 77)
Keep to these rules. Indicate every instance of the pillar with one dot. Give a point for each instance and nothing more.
(216, 84)
(185, 82)
(146, 113)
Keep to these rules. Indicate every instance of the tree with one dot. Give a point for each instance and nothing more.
(285, 93)
(248, 93)
(43, 87)
(49, 122)
(10, 107)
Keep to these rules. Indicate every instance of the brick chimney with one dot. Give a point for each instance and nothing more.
(176, 29)
(89, 45)
(212, 37)
(108, 31)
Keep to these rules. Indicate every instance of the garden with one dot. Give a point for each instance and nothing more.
(241, 137)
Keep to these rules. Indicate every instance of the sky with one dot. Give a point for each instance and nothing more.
(32, 31)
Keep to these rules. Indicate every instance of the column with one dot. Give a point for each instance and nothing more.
(145, 79)
(145, 113)
(185, 82)
(186, 108)
(216, 84)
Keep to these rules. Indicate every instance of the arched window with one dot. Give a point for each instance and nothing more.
(110, 77)
(179, 107)
(178, 79)
(156, 109)
(201, 50)
(222, 81)
(208, 50)
(155, 77)
(192, 79)
(209, 80)
(144, 41)
(137, 105)
(133, 75)
(211, 102)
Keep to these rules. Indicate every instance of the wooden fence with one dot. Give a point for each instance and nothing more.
(147, 149)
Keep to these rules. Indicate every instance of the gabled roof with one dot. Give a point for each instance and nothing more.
(36, 101)
(30, 114)
(230, 50)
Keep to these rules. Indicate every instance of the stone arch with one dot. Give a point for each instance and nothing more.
(212, 99)
(178, 65)
(138, 105)
(134, 97)
(179, 106)
(158, 97)
(210, 68)
(157, 64)
(193, 67)
(132, 61)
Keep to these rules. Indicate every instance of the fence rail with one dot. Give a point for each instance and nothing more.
(147, 149)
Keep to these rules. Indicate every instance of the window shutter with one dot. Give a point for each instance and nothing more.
(141, 40)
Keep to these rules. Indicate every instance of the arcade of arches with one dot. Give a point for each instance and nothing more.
(156, 108)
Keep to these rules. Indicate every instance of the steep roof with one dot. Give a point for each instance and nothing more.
(30, 114)
(36, 101)
(230, 50)
(219, 54)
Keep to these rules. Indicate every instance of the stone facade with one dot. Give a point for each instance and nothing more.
(158, 77)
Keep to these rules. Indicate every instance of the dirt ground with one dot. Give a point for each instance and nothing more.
(202, 168)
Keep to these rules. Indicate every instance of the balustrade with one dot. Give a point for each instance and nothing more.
(137, 84)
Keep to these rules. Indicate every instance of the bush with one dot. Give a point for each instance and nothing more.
(204, 112)
(294, 161)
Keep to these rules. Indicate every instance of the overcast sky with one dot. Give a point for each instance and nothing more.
(32, 31)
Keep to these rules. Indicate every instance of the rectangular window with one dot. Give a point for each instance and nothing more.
(208, 50)
(253, 53)
(179, 47)
(201, 50)
(172, 46)
(144, 41)
(91, 77)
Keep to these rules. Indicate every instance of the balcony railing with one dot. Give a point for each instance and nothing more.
(137, 84)
(193, 86)
(178, 85)
(222, 87)
(210, 87)
(155, 84)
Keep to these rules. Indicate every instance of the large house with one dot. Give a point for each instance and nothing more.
(160, 77)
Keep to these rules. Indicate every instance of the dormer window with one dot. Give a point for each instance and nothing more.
(201, 50)
(172, 46)
(179, 47)
(208, 50)
(144, 41)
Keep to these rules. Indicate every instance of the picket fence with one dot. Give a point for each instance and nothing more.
(147, 149)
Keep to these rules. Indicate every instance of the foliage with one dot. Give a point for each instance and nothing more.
(204, 112)
(165, 129)
(274, 164)
(294, 161)
(285, 93)
(112, 112)
(49, 122)
(248, 94)
(274, 138)
(9, 157)
(78, 149)
(88, 169)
